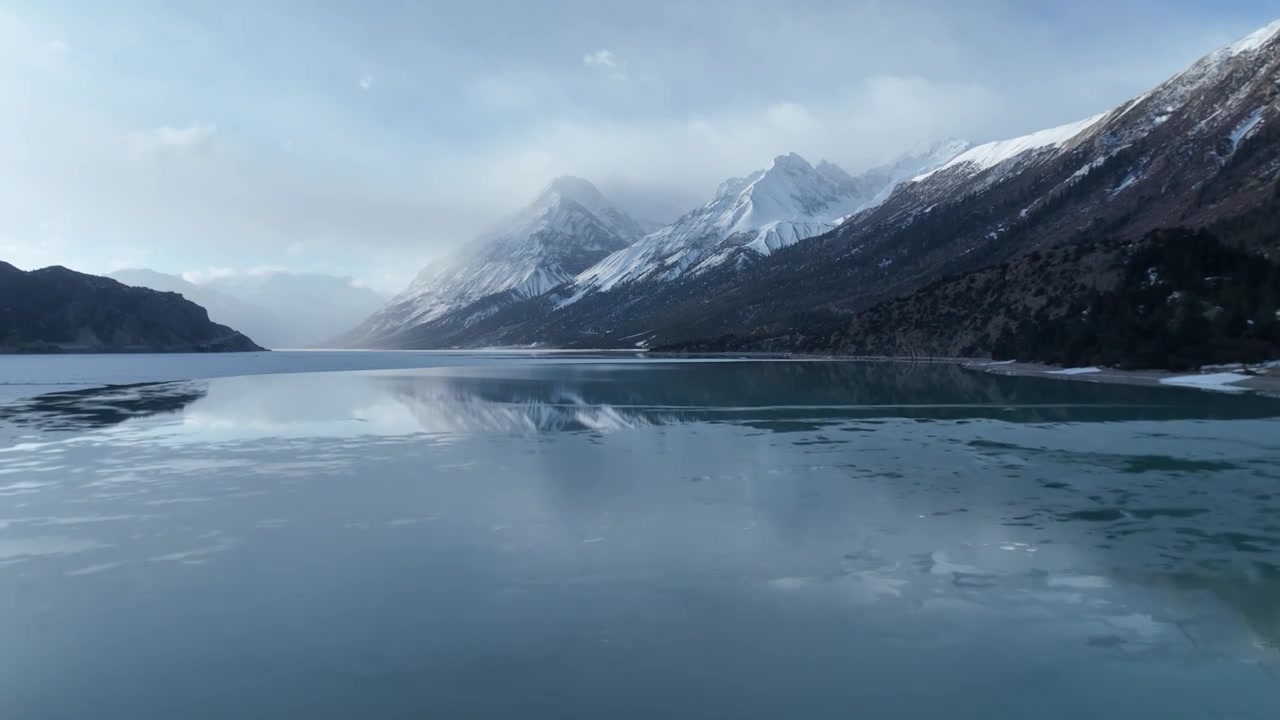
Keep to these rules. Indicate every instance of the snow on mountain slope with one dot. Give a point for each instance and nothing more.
(992, 154)
(1254, 41)
(1200, 150)
(779, 206)
(569, 227)
(1219, 101)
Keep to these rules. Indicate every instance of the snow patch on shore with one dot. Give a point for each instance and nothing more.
(1223, 382)
(1076, 371)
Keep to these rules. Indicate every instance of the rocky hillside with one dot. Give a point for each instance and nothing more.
(262, 325)
(1176, 299)
(59, 310)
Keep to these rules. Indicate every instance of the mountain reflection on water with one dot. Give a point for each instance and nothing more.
(551, 397)
(788, 396)
(635, 540)
(99, 407)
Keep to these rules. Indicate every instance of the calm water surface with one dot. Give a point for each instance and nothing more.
(604, 539)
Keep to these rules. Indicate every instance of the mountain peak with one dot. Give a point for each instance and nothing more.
(569, 227)
(1255, 40)
(571, 183)
(791, 160)
(781, 205)
(790, 179)
(570, 187)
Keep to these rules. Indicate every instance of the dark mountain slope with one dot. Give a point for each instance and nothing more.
(1176, 299)
(59, 310)
(257, 322)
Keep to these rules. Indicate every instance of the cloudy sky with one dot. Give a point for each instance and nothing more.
(363, 138)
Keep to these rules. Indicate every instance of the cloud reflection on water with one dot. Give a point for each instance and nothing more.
(879, 517)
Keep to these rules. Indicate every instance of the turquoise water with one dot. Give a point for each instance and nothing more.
(565, 538)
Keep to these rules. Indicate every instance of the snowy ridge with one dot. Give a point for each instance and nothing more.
(784, 204)
(992, 154)
(1119, 128)
(1254, 41)
(1201, 91)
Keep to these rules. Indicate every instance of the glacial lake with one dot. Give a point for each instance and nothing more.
(606, 537)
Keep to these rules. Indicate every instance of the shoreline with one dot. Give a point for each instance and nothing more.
(1226, 378)
(31, 376)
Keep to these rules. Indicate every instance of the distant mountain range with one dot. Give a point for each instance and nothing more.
(1148, 235)
(571, 243)
(277, 309)
(795, 256)
(59, 310)
(755, 216)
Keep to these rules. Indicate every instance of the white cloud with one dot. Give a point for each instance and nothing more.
(195, 138)
(636, 160)
(366, 82)
(59, 47)
(600, 57)
(209, 274)
(363, 283)
(200, 277)
(605, 59)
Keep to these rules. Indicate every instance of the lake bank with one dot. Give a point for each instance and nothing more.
(1224, 379)
(1219, 378)
(24, 376)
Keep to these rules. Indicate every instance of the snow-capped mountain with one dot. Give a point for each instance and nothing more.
(1148, 163)
(1201, 150)
(753, 216)
(568, 228)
